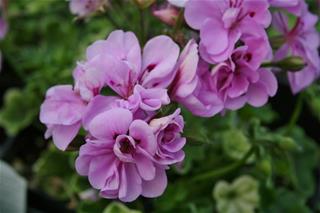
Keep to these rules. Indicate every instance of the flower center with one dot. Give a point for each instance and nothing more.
(126, 146)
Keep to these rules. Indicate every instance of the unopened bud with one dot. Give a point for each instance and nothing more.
(291, 64)
(288, 144)
(167, 14)
(265, 166)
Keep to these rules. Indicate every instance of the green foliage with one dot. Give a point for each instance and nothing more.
(41, 54)
(20, 107)
(55, 171)
(287, 201)
(116, 207)
(235, 144)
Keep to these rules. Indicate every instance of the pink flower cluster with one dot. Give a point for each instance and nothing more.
(234, 41)
(128, 146)
(129, 142)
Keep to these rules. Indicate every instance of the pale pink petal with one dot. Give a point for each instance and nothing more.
(62, 136)
(141, 131)
(111, 123)
(155, 187)
(158, 66)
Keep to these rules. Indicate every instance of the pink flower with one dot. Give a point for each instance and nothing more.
(62, 112)
(239, 80)
(141, 80)
(118, 157)
(83, 8)
(166, 13)
(168, 134)
(223, 23)
(302, 40)
(191, 87)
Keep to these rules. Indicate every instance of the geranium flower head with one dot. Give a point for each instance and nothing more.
(223, 23)
(140, 79)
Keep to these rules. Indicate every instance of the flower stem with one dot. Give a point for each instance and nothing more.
(225, 170)
(296, 114)
(112, 21)
(179, 22)
(142, 26)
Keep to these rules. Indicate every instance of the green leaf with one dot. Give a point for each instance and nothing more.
(54, 173)
(87, 206)
(173, 197)
(265, 114)
(287, 201)
(19, 110)
(241, 196)
(235, 144)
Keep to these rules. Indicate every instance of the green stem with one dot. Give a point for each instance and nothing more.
(111, 20)
(296, 113)
(142, 26)
(196, 141)
(225, 170)
(292, 64)
(179, 22)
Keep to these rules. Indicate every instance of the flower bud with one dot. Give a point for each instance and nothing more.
(235, 144)
(265, 166)
(292, 64)
(288, 144)
(167, 14)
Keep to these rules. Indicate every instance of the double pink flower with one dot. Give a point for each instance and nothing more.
(128, 157)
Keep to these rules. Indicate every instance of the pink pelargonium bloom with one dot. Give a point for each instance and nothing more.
(223, 23)
(302, 40)
(191, 86)
(238, 80)
(166, 13)
(141, 80)
(118, 157)
(170, 142)
(83, 8)
(62, 112)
